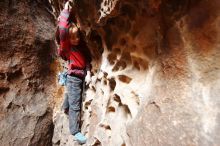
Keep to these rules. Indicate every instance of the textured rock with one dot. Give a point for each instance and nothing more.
(156, 72)
(26, 46)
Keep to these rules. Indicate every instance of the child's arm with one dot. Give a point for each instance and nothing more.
(63, 51)
(88, 66)
(87, 54)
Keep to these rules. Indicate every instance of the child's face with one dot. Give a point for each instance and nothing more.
(74, 38)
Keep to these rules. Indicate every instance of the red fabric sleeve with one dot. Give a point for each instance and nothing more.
(64, 49)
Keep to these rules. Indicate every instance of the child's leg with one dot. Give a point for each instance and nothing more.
(65, 105)
(74, 99)
(74, 121)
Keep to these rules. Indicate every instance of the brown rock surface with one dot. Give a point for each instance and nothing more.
(27, 48)
(156, 73)
(162, 61)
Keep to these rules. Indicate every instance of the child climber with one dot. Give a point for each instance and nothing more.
(74, 50)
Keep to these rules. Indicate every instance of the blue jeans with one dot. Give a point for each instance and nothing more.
(72, 101)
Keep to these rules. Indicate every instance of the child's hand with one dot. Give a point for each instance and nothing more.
(88, 78)
(68, 6)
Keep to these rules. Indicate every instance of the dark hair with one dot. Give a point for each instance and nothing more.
(57, 35)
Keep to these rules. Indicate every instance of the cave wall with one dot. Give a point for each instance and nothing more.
(27, 71)
(156, 73)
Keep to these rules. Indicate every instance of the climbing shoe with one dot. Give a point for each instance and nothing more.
(80, 138)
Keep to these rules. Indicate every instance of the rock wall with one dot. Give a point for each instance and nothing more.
(156, 73)
(27, 71)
